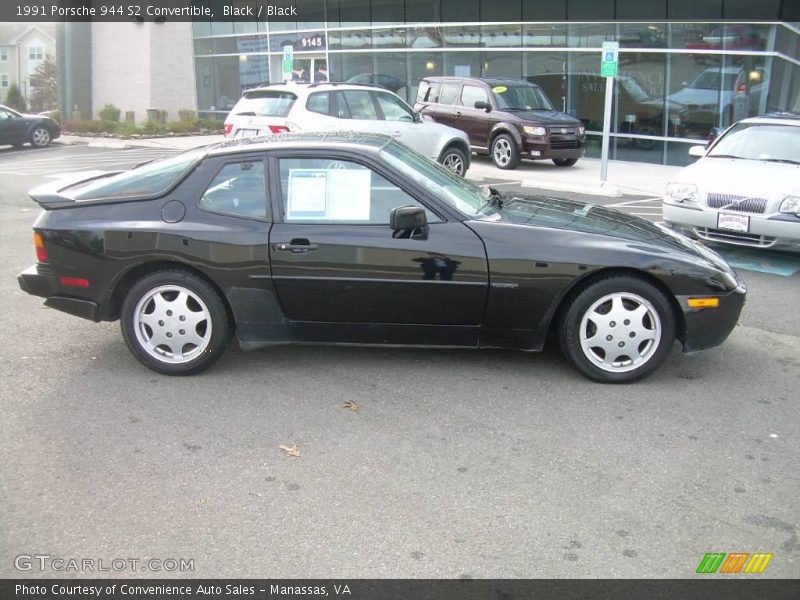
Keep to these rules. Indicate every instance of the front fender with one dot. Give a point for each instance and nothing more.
(505, 127)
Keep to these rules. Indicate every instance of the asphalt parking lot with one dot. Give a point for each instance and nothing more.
(456, 463)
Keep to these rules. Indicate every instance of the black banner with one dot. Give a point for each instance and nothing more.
(734, 588)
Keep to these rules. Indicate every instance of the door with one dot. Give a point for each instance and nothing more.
(400, 124)
(335, 259)
(448, 109)
(474, 121)
(13, 127)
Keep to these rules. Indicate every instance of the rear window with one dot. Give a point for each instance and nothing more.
(264, 103)
(148, 180)
(319, 103)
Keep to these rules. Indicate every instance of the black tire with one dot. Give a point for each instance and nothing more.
(504, 152)
(212, 312)
(565, 162)
(650, 353)
(454, 160)
(40, 137)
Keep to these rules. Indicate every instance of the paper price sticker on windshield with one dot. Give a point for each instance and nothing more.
(307, 194)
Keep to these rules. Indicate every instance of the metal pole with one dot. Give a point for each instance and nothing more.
(606, 130)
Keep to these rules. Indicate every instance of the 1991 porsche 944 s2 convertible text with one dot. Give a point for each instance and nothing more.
(356, 239)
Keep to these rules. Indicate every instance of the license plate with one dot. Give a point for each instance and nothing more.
(739, 223)
(247, 133)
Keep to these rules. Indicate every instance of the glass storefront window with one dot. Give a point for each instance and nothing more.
(544, 35)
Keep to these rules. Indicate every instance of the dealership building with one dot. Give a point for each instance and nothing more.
(685, 66)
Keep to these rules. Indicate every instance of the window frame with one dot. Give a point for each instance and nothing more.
(423, 197)
(5, 55)
(36, 53)
(340, 96)
(382, 114)
(486, 93)
(458, 84)
(5, 81)
(217, 169)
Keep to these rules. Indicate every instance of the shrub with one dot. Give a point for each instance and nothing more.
(186, 115)
(14, 98)
(126, 128)
(154, 128)
(109, 113)
(88, 126)
(130, 116)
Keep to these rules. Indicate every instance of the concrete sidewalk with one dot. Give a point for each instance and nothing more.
(624, 178)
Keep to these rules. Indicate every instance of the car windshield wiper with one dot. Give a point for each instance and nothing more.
(728, 156)
(782, 160)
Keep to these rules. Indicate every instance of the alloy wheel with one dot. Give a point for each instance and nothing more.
(502, 152)
(454, 163)
(40, 137)
(172, 324)
(620, 332)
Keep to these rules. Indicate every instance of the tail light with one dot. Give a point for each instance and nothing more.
(279, 129)
(41, 253)
(226, 129)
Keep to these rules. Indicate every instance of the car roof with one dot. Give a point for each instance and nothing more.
(775, 119)
(300, 89)
(488, 80)
(326, 139)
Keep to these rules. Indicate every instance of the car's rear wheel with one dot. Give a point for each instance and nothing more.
(40, 137)
(454, 160)
(618, 329)
(175, 323)
(565, 162)
(504, 152)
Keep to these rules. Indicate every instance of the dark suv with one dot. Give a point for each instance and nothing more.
(509, 119)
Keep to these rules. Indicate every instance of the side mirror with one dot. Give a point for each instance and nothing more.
(408, 222)
(417, 117)
(697, 151)
(713, 135)
(484, 105)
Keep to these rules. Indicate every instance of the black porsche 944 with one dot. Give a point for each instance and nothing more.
(356, 239)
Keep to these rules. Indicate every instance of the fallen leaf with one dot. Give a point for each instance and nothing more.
(352, 405)
(293, 451)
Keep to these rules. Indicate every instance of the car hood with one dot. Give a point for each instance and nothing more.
(740, 177)
(698, 96)
(545, 117)
(559, 213)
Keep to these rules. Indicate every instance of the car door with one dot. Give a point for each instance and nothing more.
(335, 259)
(448, 109)
(474, 121)
(401, 125)
(13, 126)
(356, 110)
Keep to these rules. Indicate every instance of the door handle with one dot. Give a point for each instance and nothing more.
(296, 246)
(397, 133)
(457, 113)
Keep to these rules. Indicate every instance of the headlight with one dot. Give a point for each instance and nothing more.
(530, 130)
(682, 192)
(790, 204)
(581, 129)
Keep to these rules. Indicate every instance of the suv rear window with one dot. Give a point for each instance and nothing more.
(265, 103)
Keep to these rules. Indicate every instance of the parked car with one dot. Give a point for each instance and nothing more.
(744, 189)
(357, 239)
(19, 128)
(337, 107)
(509, 119)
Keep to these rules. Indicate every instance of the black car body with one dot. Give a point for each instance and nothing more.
(509, 119)
(18, 128)
(412, 266)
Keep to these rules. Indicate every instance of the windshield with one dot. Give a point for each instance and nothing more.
(521, 97)
(150, 179)
(709, 80)
(753, 141)
(465, 197)
(266, 103)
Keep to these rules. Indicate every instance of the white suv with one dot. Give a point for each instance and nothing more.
(288, 107)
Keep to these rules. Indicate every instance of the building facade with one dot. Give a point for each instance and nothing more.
(22, 49)
(686, 66)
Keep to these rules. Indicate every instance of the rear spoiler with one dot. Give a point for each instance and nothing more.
(49, 196)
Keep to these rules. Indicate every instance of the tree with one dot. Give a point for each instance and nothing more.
(14, 98)
(44, 85)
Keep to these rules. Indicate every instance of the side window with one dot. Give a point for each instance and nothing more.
(316, 190)
(359, 105)
(428, 91)
(471, 94)
(239, 189)
(319, 102)
(450, 93)
(393, 108)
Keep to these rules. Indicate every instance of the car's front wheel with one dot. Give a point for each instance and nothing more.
(565, 162)
(618, 329)
(40, 137)
(504, 152)
(454, 160)
(175, 323)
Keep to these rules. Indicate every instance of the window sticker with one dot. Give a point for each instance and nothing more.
(499, 89)
(329, 194)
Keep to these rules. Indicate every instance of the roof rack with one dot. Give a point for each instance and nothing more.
(335, 83)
